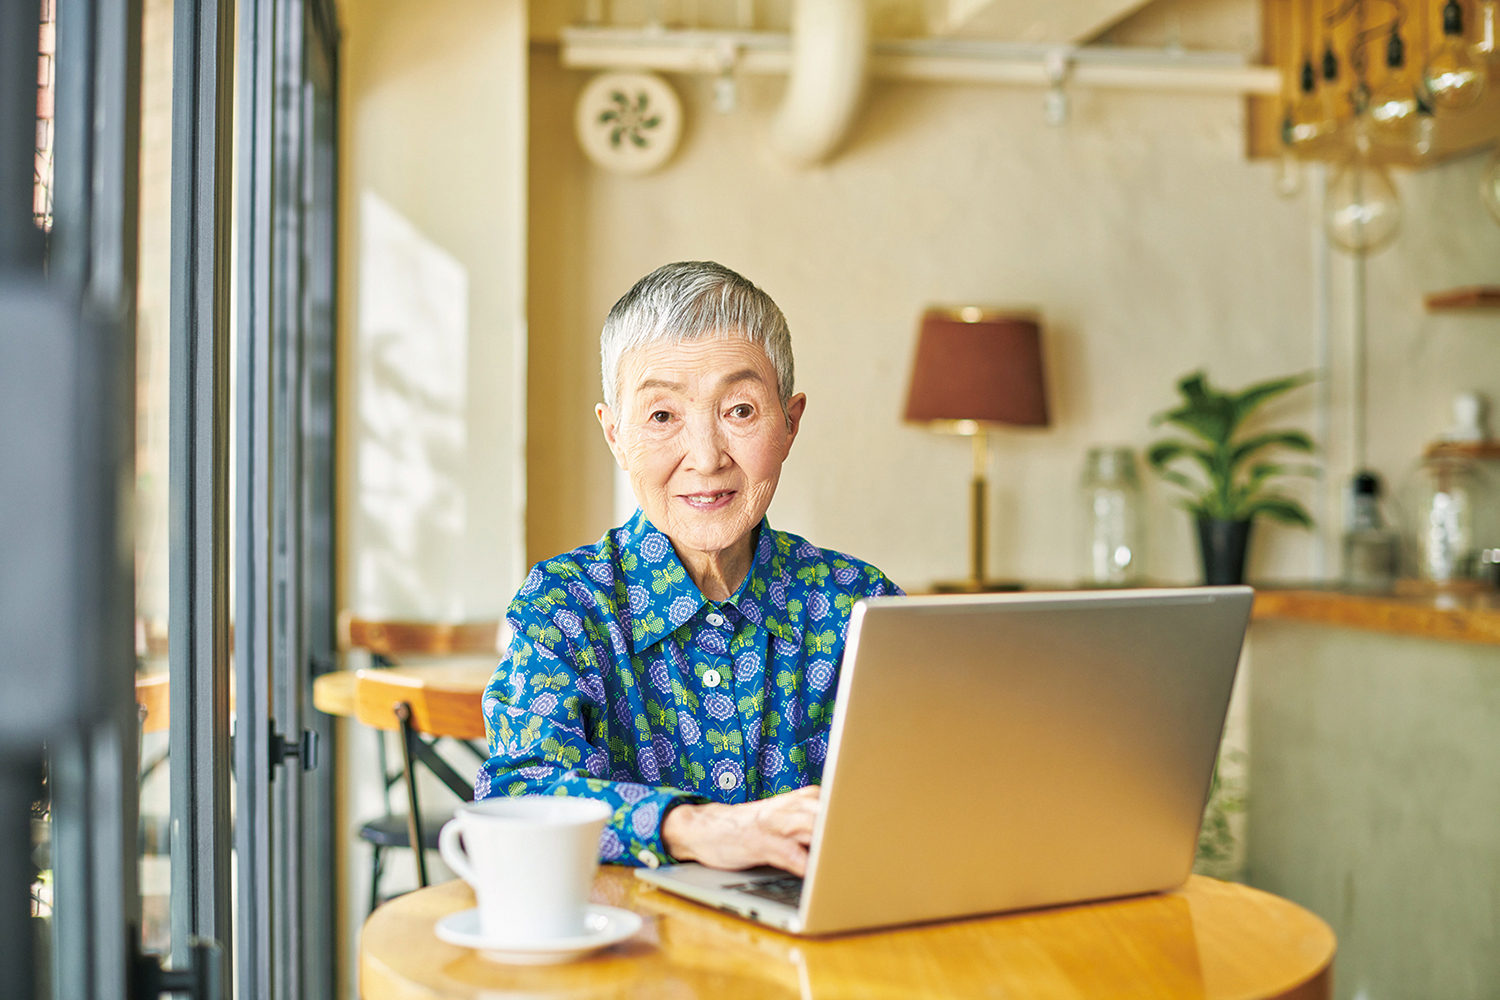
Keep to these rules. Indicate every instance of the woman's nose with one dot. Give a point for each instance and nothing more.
(705, 445)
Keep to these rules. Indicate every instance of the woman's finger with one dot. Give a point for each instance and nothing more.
(794, 818)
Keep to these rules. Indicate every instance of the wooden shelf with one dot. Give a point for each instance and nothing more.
(1473, 297)
(1465, 449)
(1461, 617)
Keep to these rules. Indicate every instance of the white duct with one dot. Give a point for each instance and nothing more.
(830, 44)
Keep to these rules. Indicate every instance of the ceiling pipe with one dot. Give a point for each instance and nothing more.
(830, 46)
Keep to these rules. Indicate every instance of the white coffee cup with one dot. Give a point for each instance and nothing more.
(531, 861)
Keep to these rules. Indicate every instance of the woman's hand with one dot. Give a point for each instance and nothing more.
(774, 831)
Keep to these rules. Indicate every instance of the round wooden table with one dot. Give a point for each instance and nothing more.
(1208, 940)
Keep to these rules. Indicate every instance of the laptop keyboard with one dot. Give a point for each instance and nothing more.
(786, 889)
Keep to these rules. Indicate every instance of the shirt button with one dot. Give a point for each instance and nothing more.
(727, 780)
(715, 619)
(648, 859)
(711, 678)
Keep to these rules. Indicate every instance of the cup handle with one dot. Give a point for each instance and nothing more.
(453, 853)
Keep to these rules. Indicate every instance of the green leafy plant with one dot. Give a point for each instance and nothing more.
(1237, 487)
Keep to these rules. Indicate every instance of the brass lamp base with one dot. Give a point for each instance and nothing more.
(976, 586)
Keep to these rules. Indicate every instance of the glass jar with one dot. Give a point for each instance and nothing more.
(1444, 506)
(1112, 519)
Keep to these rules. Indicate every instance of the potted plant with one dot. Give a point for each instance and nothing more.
(1238, 487)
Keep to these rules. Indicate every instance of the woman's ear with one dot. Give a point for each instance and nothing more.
(795, 407)
(611, 433)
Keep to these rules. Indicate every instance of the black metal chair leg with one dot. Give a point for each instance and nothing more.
(375, 866)
(413, 814)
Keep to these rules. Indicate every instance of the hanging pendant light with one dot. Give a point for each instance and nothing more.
(1362, 212)
(1453, 77)
(1393, 104)
(1489, 186)
(1308, 120)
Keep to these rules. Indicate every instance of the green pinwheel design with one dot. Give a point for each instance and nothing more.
(629, 120)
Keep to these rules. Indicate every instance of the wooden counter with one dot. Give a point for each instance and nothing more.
(1208, 941)
(1473, 617)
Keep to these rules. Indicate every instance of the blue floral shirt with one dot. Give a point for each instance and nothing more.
(623, 683)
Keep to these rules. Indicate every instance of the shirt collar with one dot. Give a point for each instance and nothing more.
(662, 597)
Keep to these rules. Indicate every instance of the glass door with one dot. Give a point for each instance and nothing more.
(119, 815)
(284, 578)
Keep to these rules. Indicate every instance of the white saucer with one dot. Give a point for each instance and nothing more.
(606, 925)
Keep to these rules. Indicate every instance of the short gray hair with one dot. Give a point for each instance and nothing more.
(689, 300)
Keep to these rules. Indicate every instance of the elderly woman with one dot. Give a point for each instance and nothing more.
(683, 668)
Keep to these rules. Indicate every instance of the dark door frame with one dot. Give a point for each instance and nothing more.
(287, 933)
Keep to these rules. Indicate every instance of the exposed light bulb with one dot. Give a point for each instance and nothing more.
(1289, 175)
(1362, 212)
(1489, 186)
(1308, 119)
(1489, 24)
(1392, 106)
(1453, 77)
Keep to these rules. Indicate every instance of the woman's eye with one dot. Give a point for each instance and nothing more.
(660, 417)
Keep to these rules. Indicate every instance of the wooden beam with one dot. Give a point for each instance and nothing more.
(1042, 21)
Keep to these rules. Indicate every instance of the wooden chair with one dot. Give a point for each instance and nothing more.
(411, 708)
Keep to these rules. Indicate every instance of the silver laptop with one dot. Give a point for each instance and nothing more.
(1003, 752)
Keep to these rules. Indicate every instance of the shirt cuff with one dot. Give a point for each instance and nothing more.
(638, 827)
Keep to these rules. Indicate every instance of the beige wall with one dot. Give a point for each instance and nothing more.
(1148, 242)
(433, 118)
(434, 107)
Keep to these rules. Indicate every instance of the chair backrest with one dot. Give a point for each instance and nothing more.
(394, 638)
(436, 709)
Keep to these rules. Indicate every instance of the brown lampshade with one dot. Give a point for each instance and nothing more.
(980, 365)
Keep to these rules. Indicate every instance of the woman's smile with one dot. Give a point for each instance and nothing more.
(711, 500)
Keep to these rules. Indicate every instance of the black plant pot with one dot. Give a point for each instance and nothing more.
(1222, 546)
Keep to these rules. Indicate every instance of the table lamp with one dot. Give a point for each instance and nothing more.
(977, 369)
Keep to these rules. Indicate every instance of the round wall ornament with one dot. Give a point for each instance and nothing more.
(628, 123)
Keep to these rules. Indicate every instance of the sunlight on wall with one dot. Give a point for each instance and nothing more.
(412, 390)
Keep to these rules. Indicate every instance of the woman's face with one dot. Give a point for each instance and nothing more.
(701, 432)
